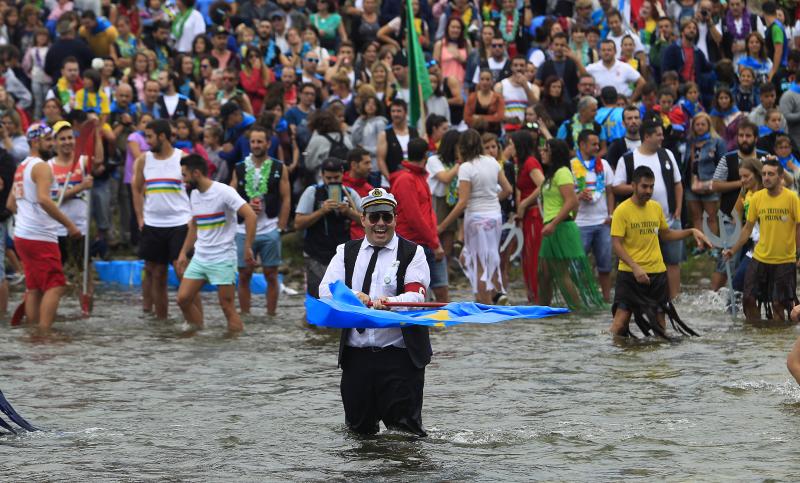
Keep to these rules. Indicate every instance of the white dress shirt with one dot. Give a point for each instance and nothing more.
(384, 282)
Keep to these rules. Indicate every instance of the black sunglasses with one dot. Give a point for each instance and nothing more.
(386, 216)
(312, 59)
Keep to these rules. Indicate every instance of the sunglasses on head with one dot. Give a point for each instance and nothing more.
(385, 215)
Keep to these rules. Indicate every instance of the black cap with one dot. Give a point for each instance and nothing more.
(333, 164)
(220, 30)
(227, 109)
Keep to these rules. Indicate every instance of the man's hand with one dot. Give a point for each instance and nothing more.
(329, 205)
(607, 221)
(249, 258)
(87, 183)
(73, 232)
(380, 303)
(585, 195)
(727, 254)
(438, 253)
(364, 298)
(641, 275)
(548, 229)
(182, 262)
(700, 239)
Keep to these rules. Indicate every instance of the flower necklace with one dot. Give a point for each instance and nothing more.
(250, 187)
(510, 36)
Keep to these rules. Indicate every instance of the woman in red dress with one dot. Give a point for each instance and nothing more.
(522, 150)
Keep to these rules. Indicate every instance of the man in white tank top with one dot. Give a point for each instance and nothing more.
(37, 221)
(74, 201)
(518, 93)
(162, 212)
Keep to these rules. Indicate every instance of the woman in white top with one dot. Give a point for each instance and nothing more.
(478, 179)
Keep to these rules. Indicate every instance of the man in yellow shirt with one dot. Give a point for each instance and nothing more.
(642, 289)
(98, 32)
(771, 280)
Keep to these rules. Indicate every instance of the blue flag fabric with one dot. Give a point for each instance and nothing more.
(345, 311)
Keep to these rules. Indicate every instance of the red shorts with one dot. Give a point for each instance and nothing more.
(42, 262)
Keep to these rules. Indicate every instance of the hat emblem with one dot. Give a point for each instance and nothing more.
(377, 192)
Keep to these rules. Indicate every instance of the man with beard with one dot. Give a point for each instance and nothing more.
(37, 222)
(668, 190)
(641, 290)
(688, 61)
(632, 122)
(383, 370)
(75, 199)
(267, 44)
(162, 209)
(212, 229)
(264, 184)
(771, 277)
(726, 182)
(324, 212)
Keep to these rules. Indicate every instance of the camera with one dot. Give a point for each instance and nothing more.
(704, 13)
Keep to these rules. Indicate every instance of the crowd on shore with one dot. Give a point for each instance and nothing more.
(540, 115)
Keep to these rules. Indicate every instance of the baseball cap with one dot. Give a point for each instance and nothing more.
(57, 127)
(38, 130)
(378, 200)
(277, 14)
(220, 30)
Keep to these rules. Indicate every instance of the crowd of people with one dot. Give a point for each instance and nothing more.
(541, 115)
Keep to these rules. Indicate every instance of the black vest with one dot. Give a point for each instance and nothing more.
(181, 110)
(570, 77)
(666, 174)
(270, 202)
(728, 199)
(327, 233)
(416, 337)
(394, 152)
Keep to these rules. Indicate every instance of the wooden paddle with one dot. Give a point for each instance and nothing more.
(84, 146)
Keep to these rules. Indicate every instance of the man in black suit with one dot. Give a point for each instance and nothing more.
(383, 370)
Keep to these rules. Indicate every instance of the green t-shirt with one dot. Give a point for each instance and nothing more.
(327, 26)
(553, 201)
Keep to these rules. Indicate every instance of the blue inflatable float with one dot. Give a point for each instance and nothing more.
(128, 273)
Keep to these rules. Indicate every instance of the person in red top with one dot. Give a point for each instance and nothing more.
(360, 164)
(529, 181)
(416, 220)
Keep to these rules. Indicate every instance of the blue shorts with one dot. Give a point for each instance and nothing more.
(597, 239)
(438, 270)
(673, 251)
(266, 247)
(215, 273)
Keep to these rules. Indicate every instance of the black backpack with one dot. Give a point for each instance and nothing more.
(338, 149)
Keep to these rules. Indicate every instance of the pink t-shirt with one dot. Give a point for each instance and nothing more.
(143, 146)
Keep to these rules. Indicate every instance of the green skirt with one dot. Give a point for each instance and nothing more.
(564, 264)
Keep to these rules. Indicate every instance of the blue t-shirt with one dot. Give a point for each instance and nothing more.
(295, 116)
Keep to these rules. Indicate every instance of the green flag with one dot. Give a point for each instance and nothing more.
(418, 82)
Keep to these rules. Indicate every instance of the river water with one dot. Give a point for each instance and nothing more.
(124, 397)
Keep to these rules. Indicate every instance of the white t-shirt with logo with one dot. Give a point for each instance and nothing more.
(595, 212)
(651, 161)
(214, 213)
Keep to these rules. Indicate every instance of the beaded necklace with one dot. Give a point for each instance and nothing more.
(510, 36)
(250, 187)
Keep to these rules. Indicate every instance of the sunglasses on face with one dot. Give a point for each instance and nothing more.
(499, 46)
(385, 216)
(311, 59)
